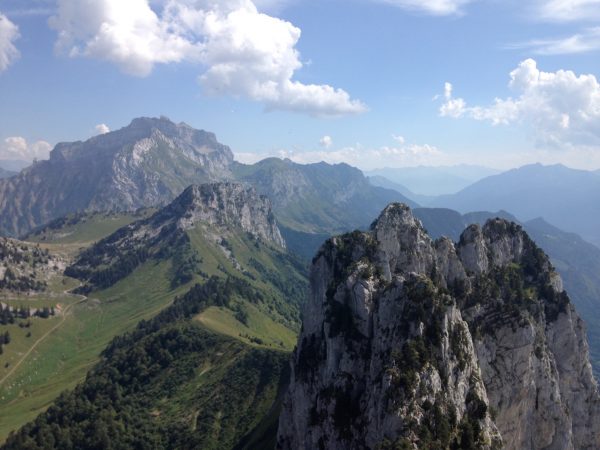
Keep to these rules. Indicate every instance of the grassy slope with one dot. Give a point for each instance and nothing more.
(62, 360)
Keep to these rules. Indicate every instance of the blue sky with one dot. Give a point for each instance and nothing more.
(371, 82)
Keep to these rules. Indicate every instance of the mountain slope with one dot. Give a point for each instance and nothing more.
(413, 343)
(317, 198)
(567, 198)
(171, 384)
(147, 163)
(216, 249)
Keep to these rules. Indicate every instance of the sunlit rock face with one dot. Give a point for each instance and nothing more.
(408, 341)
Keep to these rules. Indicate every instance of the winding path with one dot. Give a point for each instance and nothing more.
(82, 298)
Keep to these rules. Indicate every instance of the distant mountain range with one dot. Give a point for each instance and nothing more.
(433, 181)
(423, 200)
(567, 198)
(151, 161)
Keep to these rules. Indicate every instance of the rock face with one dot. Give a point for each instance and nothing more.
(147, 163)
(25, 267)
(225, 204)
(413, 343)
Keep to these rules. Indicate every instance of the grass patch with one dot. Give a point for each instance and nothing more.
(260, 329)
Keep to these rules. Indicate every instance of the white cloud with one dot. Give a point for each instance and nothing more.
(9, 33)
(127, 33)
(359, 156)
(326, 141)
(453, 107)
(567, 10)
(433, 7)
(399, 139)
(562, 108)
(245, 53)
(583, 42)
(17, 148)
(102, 128)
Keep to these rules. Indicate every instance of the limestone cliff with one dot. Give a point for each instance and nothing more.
(413, 343)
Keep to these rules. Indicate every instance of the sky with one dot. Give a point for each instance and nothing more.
(374, 83)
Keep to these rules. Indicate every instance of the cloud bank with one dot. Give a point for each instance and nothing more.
(359, 156)
(245, 53)
(17, 148)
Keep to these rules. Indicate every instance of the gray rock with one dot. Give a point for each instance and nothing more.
(405, 339)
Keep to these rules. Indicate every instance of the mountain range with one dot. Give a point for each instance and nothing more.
(567, 198)
(434, 180)
(186, 275)
(152, 160)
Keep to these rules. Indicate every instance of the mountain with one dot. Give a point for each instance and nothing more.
(211, 209)
(378, 180)
(577, 261)
(317, 198)
(147, 163)
(567, 198)
(434, 181)
(413, 343)
(186, 318)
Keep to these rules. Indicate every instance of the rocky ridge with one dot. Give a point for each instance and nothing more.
(217, 208)
(413, 343)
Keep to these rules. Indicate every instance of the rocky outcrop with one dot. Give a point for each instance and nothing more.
(25, 267)
(147, 163)
(413, 343)
(224, 204)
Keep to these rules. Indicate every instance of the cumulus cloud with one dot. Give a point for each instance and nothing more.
(9, 33)
(360, 156)
(586, 41)
(127, 33)
(102, 128)
(326, 141)
(563, 108)
(433, 7)
(245, 53)
(17, 148)
(567, 10)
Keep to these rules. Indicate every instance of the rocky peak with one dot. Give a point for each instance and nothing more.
(408, 343)
(145, 164)
(226, 204)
